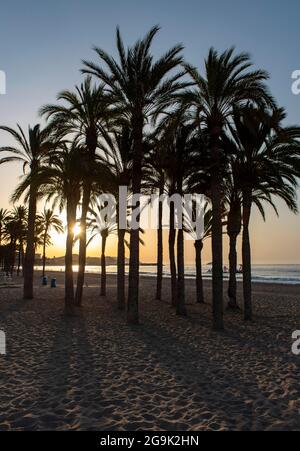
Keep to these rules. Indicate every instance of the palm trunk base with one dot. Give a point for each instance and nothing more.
(232, 306)
(72, 310)
(132, 318)
(181, 311)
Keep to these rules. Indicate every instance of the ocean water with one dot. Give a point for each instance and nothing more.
(281, 274)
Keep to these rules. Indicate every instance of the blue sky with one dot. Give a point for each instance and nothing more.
(42, 44)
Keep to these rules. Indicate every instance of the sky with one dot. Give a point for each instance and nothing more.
(42, 45)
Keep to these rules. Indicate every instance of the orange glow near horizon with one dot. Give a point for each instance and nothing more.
(263, 238)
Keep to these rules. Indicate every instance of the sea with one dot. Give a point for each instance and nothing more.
(280, 274)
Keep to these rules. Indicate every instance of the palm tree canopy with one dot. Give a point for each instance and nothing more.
(265, 156)
(229, 81)
(4, 214)
(138, 85)
(46, 221)
(85, 114)
(30, 150)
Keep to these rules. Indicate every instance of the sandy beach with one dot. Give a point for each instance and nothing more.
(169, 373)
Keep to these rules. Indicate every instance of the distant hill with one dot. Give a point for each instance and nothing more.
(90, 261)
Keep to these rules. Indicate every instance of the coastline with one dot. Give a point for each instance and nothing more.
(190, 278)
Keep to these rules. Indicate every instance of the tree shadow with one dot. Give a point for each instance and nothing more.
(215, 383)
(69, 368)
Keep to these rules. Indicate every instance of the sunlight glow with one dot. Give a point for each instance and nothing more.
(77, 230)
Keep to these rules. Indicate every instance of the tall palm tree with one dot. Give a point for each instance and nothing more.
(267, 165)
(103, 223)
(117, 148)
(50, 221)
(3, 217)
(189, 223)
(139, 88)
(233, 209)
(11, 237)
(19, 216)
(156, 178)
(234, 227)
(31, 151)
(86, 113)
(229, 81)
(177, 136)
(61, 182)
(14, 233)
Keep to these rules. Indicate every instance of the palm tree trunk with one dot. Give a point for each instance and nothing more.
(217, 241)
(103, 267)
(246, 252)
(160, 245)
(232, 285)
(180, 308)
(12, 258)
(172, 240)
(44, 254)
(22, 258)
(199, 280)
(234, 224)
(69, 282)
(133, 286)
(30, 248)
(19, 260)
(121, 270)
(82, 243)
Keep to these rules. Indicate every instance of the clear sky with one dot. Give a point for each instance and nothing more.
(42, 44)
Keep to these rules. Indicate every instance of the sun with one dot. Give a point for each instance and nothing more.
(77, 230)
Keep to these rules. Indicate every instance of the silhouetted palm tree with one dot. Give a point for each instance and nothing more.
(61, 181)
(3, 217)
(190, 222)
(267, 165)
(117, 146)
(50, 221)
(228, 82)
(103, 222)
(156, 162)
(15, 231)
(234, 227)
(30, 151)
(177, 140)
(86, 112)
(139, 90)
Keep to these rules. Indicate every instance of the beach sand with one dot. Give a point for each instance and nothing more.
(95, 372)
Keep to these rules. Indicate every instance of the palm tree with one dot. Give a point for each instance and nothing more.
(3, 217)
(84, 117)
(19, 216)
(234, 227)
(233, 208)
(267, 165)
(11, 236)
(103, 223)
(190, 228)
(182, 150)
(177, 138)
(30, 151)
(62, 182)
(50, 221)
(14, 233)
(228, 82)
(139, 89)
(156, 162)
(117, 148)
